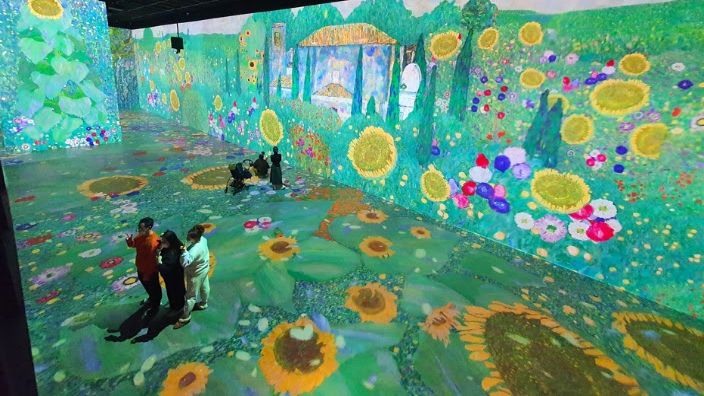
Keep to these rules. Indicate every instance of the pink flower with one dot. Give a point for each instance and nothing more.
(600, 232)
(460, 201)
(583, 213)
(551, 74)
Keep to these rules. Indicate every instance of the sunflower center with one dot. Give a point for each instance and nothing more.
(186, 380)
(302, 355)
(280, 247)
(370, 301)
(372, 215)
(377, 246)
(440, 320)
(420, 232)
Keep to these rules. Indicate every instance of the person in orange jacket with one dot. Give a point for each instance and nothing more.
(147, 244)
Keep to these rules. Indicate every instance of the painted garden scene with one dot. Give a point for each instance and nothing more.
(473, 197)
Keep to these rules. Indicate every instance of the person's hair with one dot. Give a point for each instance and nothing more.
(196, 232)
(261, 156)
(239, 167)
(276, 149)
(172, 239)
(148, 222)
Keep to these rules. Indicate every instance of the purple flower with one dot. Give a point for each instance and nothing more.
(512, 97)
(51, 275)
(521, 171)
(626, 126)
(653, 116)
(551, 228)
(528, 104)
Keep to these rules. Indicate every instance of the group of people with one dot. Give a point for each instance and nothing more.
(183, 267)
(261, 169)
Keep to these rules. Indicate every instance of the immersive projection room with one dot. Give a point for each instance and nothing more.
(390, 197)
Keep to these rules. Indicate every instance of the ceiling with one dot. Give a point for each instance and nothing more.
(135, 14)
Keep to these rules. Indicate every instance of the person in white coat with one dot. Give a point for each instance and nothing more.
(196, 263)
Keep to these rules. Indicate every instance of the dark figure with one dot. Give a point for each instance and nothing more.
(172, 271)
(146, 243)
(276, 175)
(239, 174)
(261, 166)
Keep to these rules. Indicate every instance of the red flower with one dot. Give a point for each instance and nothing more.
(27, 198)
(600, 232)
(160, 173)
(482, 160)
(468, 188)
(111, 262)
(52, 295)
(583, 213)
(250, 224)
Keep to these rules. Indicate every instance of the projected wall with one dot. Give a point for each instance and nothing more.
(58, 86)
(577, 137)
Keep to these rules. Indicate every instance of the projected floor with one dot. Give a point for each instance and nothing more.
(314, 288)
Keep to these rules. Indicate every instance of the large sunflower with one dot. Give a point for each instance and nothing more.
(297, 357)
(560, 192)
(213, 178)
(373, 154)
(445, 45)
(373, 302)
(619, 97)
(434, 186)
(376, 246)
(421, 232)
(112, 185)
(528, 352)
(531, 34)
(440, 321)
(185, 380)
(46, 9)
(279, 249)
(647, 140)
(271, 127)
(577, 129)
(372, 216)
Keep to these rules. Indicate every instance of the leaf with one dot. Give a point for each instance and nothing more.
(66, 128)
(322, 260)
(477, 291)
(235, 377)
(71, 70)
(65, 45)
(45, 119)
(92, 91)
(77, 107)
(34, 50)
(28, 102)
(271, 285)
(498, 269)
(363, 337)
(372, 373)
(335, 384)
(448, 370)
(420, 291)
(51, 85)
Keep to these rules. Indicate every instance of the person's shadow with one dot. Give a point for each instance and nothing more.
(155, 320)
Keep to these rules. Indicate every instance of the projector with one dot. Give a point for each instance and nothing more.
(177, 43)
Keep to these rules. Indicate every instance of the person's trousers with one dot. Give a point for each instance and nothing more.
(197, 289)
(175, 287)
(152, 287)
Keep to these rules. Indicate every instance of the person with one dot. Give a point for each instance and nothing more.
(276, 176)
(196, 262)
(262, 166)
(172, 271)
(239, 174)
(146, 243)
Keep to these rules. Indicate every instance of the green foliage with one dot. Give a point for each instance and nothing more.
(358, 84)
(307, 81)
(295, 76)
(532, 141)
(395, 20)
(278, 87)
(393, 109)
(477, 15)
(371, 107)
(423, 66)
(309, 19)
(550, 145)
(238, 75)
(266, 75)
(425, 134)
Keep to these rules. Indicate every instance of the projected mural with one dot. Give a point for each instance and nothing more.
(62, 88)
(122, 48)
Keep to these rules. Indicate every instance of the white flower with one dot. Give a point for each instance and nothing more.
(604, 208)
(90, 253)
(615, 225)
(548, 53)
(578, 230)
(594, 153)
(479, 174)
(518, 68)
(26, 147)
(524, 220)
(678, 67)
(608, 70)
(517, 155)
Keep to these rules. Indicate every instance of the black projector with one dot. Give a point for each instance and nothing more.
(177, 43)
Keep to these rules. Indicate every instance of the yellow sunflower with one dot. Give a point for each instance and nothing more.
(213, 178)
(532, 78)
(373, 302)
(112, 185)
(271, 127)
(372, 216)
(217, 103)
(439, 323)
(421, 232)
(634, 64)
(175, 102)
(619, 97)
(185, 380)
(531, 34)
(188, 78)
(280, 248)
(376, 246)
(434, 186)
(152, 85)
(503, 333)
(297, 357)
(577, 129)
(182, 63)
(46, 9)
(445, 45)
(559, 192)
(488, 39)
(647, 140)
(373, 153)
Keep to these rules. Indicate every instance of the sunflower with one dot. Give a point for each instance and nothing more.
(373, 153)
(619, 97)
(252, 65)
(445, 45)
(213, 264)
(434, 186)
(503, 335)
(488, 39)
(182, 63)
(272, 130)
(373, 302)
(152, 85)
(634, 64)
(112, 185)
(213, 178)
(670, 354)
(577, 129)
(421, 232)
(647, 140)
(175, 103)
(376, 246)
(163, 98)
(439, 323)
(188, 77)
(217, 103)
(279, 249)
(297, 357)
(46, 9)
(372, 216)
(186, 379)
(531, 34)
(560, 192)
(532, 78)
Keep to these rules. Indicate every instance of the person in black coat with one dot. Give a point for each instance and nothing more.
(172, 271)
(276, 174)
(261, 166)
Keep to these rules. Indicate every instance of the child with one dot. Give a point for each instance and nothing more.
(147, 243)
(196, 262)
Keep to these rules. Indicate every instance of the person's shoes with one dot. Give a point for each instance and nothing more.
(181, 323)
(200, 307)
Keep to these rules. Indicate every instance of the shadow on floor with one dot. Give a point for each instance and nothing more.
(155, 320)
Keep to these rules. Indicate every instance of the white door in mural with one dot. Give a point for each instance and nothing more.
(410, 82)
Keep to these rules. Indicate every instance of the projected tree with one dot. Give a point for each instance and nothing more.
(392, 112)
(425, 133)
(358, 85)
